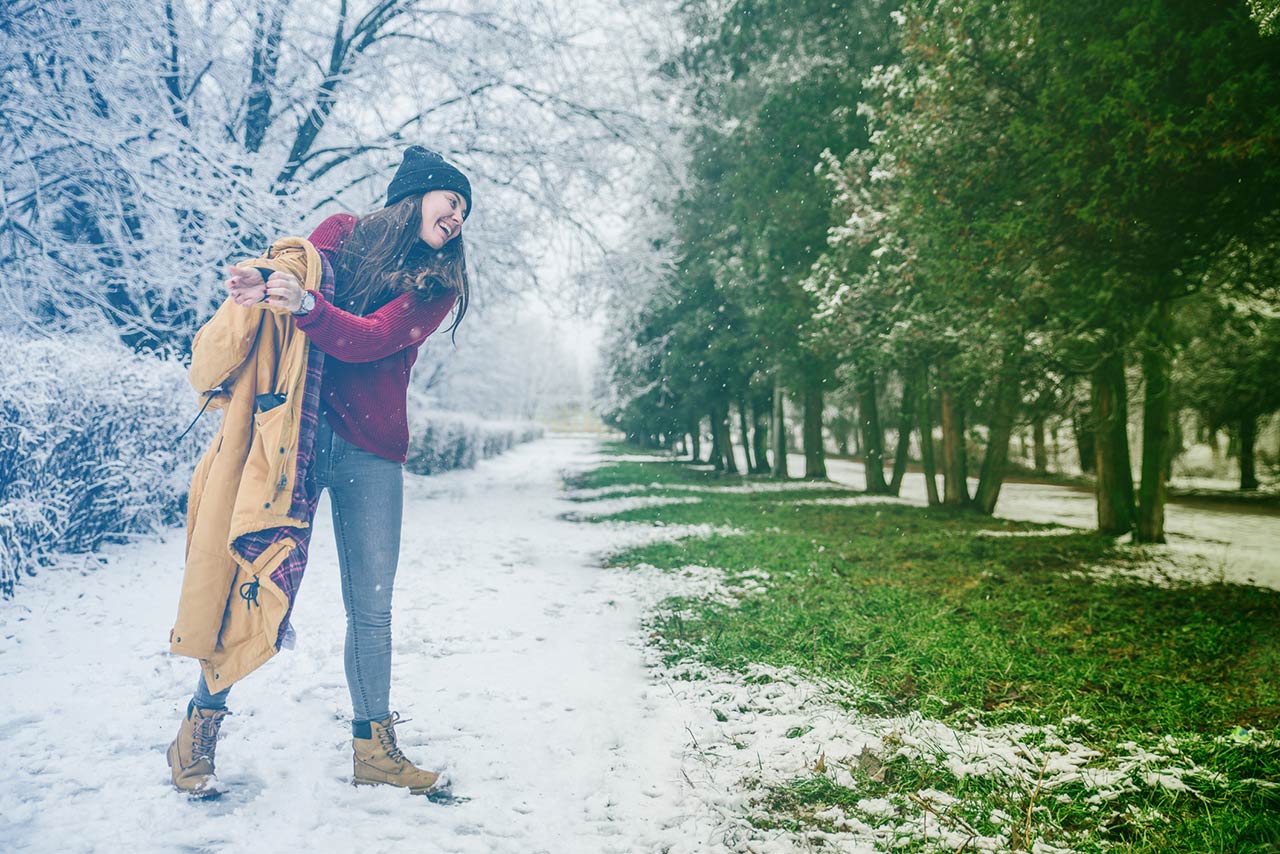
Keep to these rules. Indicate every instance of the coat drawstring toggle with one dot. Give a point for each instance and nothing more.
(249, 593)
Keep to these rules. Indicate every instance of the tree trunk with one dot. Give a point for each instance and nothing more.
(725, 438)
(955, 465)
(1157, 437)
(1109, 419)
(1178, 440)
(695, 439)
(1039, 452)
(996, 459)
(872, 435)
(778, 434)
(748, 466)
(906, 419)
(760, 406)
(815, 458)
(1248, 439)
(842, 442)
(927, 459)
(717, 454)
(856, 433)
(1086, 442)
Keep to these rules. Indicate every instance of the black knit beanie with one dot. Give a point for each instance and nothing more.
(422, 170)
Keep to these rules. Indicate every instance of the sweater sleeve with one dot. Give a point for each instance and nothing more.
(406, 321)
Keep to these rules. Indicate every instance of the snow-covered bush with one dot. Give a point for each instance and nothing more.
(444, 441)
(87, 448)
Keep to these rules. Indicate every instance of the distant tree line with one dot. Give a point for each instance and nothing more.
(977, 216)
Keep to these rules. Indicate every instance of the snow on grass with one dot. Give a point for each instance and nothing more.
(1043, 532)
(1165, 566)
(1197, 560)
(761, 486)
(757, 736)
(601, 492)
(632, 458)
(612, 506)
(748, 488)
(757, 732)
(661, 590)
(854, 501)
(627, 535)
(767, 727)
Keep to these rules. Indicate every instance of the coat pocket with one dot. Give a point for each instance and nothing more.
(266, 466)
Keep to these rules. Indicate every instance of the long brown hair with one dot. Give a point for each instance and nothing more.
(384, 257)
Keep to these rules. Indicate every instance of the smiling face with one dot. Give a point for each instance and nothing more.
(442, 212)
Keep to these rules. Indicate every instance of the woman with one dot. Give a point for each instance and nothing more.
(398, 273)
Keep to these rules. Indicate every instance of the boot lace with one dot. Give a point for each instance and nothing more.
(387, 738)
(206, 735)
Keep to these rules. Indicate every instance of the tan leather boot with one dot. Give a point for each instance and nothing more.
(378, 761)
(191, 753)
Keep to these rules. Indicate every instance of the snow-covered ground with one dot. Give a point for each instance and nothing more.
(523, 668)
(517, 659)
(1231, 543)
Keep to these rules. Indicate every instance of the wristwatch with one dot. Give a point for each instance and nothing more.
(308, 302)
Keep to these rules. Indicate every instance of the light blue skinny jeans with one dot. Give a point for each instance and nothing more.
(366, 495)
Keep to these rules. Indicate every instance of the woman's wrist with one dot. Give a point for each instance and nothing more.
(307, 304)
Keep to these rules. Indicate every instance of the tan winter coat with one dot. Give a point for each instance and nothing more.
(244, 481)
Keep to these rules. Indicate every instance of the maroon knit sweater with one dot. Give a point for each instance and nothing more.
(365, 383)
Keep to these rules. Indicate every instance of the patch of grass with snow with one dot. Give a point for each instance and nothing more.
(635, 476)
(909, 611)
(918, 804)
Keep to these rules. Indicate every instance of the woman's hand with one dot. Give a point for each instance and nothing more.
(280, 290)
(245, 285)
(284, 291)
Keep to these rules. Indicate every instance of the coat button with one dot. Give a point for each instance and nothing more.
(268, 504)
(217, 676)
(177, 640)
(282, 450)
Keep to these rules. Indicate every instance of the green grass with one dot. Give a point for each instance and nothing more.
(917, 612)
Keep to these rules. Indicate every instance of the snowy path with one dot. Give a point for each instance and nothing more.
(518, 660)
